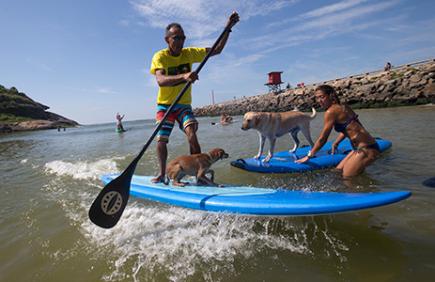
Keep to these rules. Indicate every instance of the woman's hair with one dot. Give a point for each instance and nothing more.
(330, 91)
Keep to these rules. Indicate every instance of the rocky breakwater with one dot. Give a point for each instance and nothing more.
(18, 112)
(410, 84)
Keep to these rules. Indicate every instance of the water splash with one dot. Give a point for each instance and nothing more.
(154, 240)
(82, 169)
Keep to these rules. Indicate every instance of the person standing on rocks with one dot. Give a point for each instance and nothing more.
(173, 68)
(387, 66)
(345, 121)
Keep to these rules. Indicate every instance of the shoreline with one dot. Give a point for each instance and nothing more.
(32, 125)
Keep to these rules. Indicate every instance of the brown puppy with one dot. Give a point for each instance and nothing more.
(194, 165)
(274, 125)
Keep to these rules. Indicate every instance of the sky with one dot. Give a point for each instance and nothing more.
(89, 59)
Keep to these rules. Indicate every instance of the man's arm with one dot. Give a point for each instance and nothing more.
(172, 80)
(234, 18)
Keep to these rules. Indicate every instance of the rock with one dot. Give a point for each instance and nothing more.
(429, 90)
(418, 84)
(405, 85)
(380, 97)
(430, 68)
(408, 73)
(415, 78)
(299, 91)
(5, 128)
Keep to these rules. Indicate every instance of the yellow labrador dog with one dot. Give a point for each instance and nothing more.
(274, 125)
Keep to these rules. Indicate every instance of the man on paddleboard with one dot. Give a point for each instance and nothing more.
(172, 67)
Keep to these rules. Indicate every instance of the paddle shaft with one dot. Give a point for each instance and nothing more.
(133, 164)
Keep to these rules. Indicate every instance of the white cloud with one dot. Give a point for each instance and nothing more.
(106, 90)
(421, 31)
(322, 27)
(252, 58)
(336, 7)
(342, 18)
(202, 18)
(319, 12)
(415, 54)
(124, 22)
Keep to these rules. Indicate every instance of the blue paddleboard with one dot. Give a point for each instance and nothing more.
(257, 201)
(284, 162)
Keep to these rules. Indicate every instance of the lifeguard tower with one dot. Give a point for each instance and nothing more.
(274, 81)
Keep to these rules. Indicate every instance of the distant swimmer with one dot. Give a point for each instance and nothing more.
(226, 119)
(119, 127)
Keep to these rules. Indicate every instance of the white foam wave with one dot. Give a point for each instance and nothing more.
(155, 240)
(149, 240)
(82, 169)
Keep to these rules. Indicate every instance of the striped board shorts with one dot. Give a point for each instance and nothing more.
(183, 114)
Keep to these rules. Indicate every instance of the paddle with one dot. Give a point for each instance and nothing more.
(430, 182)
(107, 208)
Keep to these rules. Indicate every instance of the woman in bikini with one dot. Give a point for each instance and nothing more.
(344, 120)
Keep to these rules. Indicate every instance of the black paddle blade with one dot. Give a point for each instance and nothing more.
(107, 208)
(429, 182)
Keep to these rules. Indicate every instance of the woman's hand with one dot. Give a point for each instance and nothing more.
(334, 148)
(303, 160)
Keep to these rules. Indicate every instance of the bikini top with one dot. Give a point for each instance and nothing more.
(341, 127)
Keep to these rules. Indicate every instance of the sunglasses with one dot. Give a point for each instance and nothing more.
(178, 37)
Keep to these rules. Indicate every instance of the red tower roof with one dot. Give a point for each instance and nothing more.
(274, 78)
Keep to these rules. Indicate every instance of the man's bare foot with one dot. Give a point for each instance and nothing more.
(159, 179)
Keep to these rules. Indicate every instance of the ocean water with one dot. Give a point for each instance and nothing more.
(49, 180)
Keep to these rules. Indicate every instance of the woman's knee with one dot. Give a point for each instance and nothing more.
(354, 165)
(341, 165)
(352, 172)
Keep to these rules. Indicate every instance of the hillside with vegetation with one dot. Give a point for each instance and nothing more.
(19, 112)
